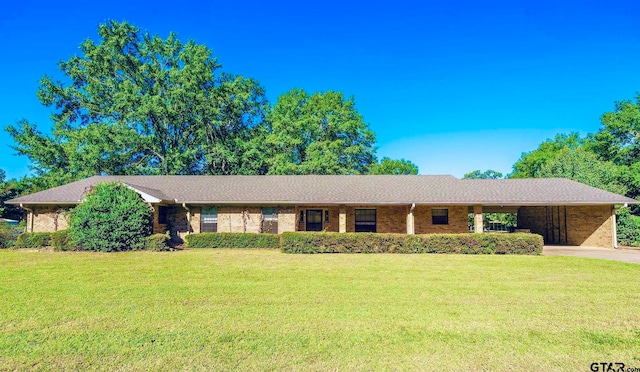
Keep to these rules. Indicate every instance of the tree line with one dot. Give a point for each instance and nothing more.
(134, 103)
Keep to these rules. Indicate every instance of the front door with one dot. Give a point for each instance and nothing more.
(314, 220)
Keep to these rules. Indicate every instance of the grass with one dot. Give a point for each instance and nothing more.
(263, 310)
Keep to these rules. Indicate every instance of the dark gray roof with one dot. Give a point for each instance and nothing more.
(396, 189)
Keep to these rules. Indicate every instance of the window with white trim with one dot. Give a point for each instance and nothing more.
(209, 219)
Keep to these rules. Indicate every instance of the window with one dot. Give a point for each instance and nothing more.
(209, 219)
(365, 220)
(270, 220)
(301, 216)
(440, 216)
(326, 216)
(162, 215)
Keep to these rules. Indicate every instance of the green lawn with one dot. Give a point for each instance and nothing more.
(264, 310)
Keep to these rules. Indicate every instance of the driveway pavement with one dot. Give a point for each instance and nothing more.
(623, 255)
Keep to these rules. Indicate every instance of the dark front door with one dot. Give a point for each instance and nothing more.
(314, 220)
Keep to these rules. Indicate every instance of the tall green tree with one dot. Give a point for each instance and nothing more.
(393, 166)
(9, 189)
(488, 174)
(321, 133)
(531, 162)
(618, 139)
(133, 103)
(584, 166)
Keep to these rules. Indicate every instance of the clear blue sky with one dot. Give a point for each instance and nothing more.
(451, 86)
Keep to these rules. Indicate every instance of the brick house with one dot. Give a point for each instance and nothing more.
(562, 211)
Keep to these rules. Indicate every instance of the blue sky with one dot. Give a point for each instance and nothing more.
(451, 86)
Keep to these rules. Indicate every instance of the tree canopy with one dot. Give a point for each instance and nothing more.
(392, 166)
(9, 189)
(584, 166)
(488, 174)
(322, 133)
(531, 162)
(133, 103)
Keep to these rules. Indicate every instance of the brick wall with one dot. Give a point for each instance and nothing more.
(287, 219)
(48, 218)
(458, 220)
(585, 225)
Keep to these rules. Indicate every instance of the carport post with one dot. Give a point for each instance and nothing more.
(411, 227)
(478, 223)
(614, 227)
(342, 219)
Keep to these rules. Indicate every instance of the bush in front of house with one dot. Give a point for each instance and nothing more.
(232, 240)
(301, 242)
(111, 218)
(62, 241)
(158, 243)
(33, 240)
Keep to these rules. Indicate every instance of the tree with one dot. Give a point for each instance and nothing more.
(9, 189)
(530, 162)
(321, 133)
(392, 166)
(111, 218)
(583, 166)
(488, 174)
(134, 103)
(3, 192)
(618, 139)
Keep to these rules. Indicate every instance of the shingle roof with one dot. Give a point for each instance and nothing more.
(396, 189)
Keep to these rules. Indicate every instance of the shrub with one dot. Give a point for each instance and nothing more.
(8, 235)
(111, 218)
(628, 228)
(33, 240)
(61, 241)
(232, 240)
(158, 243)
(300, 242)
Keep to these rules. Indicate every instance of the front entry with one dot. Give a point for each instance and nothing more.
(314, 220)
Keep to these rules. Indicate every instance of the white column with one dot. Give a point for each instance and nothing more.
(614, 228)
(478, 223)
(342, 223)
(411, 227)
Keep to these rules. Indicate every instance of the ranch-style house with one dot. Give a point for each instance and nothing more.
(562, 211)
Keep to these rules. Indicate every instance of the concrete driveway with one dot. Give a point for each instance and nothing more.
(623, 255)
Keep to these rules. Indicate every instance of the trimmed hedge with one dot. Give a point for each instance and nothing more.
(61, 241)
(300, 242)
(232, 240)
(33, 240)
(158, 243)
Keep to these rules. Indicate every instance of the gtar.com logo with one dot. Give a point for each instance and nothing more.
(607, 367)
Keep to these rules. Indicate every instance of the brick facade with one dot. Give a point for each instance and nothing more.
(458, 220)
(48, 218)
(571, 225)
